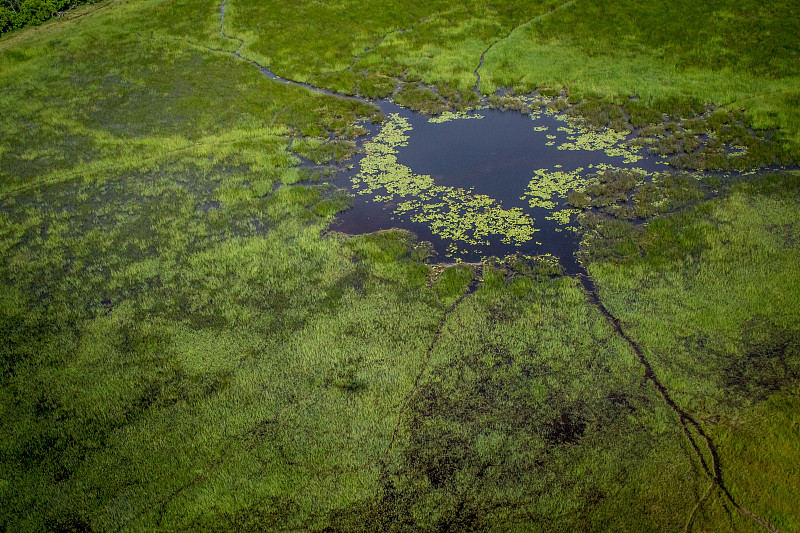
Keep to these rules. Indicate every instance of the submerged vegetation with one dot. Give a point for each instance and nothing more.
(184, 346)
(467, 220)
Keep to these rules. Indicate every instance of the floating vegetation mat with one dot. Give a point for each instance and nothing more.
(485, 182)
(459, 215)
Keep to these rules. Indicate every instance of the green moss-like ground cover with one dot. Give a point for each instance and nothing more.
(738, 53)
(182, 350)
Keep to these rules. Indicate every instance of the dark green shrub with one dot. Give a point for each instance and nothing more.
(454, 281)
(377, 86)
(8, 20)
(420, 98)
(37, 11)
(642, 114)
(550, 92)
(579, 200)
(598, 113)
(680, 107)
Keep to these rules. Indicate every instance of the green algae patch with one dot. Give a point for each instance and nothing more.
(546, 186)
(581, 136)
(469, 219)
(605, 188)
(462, 216)
(449, 116)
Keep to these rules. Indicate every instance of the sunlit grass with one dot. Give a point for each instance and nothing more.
(714, 299)
(719, 57)
(183, 349)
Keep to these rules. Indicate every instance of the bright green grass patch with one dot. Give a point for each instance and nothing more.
(718, 54)
(737, 54)
(763, 444)
(141, 315)
(435, 42)
(74, 106)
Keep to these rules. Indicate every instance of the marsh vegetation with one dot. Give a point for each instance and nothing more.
(186, 345)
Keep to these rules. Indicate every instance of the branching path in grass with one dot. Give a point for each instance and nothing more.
(222, 27)
(265, 70)
(380, 41)
(687, 421)
(529, 21)
(471, 288)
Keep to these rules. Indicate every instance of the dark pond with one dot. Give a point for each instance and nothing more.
(496, 155)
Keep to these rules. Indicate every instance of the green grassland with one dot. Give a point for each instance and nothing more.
(185, 347)
(712, 296)
(736, 53)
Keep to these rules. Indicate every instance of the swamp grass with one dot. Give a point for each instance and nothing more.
(715, 55)
(182, 350)
(735, 54)
(711, 293)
